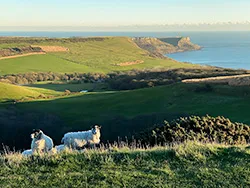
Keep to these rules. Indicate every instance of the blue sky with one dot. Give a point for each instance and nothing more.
(120, 12)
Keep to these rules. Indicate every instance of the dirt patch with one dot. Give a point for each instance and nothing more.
(131, 63)
(53, 48)
(236, 80)
(21, 55)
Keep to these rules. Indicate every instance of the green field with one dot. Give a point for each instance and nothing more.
(124, 113)
(12, 92)
(182, 98)
(40, 63)
(71, 87)
(186, 165)
(89, 56)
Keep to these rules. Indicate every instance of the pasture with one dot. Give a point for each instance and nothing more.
(189, 164)
(122, 113)
(102, 56)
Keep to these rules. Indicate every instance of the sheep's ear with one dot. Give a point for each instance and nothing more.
(99, 127)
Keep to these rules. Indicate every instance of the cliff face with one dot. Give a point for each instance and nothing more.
(161, 46)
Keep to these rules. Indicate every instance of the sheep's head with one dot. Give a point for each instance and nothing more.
(96, 129)
(36, 133)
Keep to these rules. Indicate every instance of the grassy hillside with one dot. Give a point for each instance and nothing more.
(122, 113)
(72, 87)
(12, 92)
(40, 63)
(185, 165)
(85, 56)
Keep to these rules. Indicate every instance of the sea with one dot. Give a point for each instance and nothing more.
(228, 49)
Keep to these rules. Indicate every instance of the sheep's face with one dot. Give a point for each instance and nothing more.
(36, 133)
(96, 129)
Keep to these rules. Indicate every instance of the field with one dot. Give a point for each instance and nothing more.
(88, 56)
(122, 113)
(190, 164)
(13, 92)
(72, 87)
(40, 63)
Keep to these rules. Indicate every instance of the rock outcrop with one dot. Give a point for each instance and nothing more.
(162, 46)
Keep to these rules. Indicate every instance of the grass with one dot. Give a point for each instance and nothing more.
(90, 56)
(122, 113)
(13, 92)
(41, 63)
(189, 164)
(71, 87)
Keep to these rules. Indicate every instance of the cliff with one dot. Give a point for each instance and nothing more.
(162, 46)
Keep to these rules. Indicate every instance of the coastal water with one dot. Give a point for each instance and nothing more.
(222, 49)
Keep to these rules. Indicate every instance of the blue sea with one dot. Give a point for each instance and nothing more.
(222, 49)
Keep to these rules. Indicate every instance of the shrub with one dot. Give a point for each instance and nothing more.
(205, 129)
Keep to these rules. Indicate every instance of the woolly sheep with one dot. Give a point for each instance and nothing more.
(60, 148)
(27, 153)
(77, 140)
(40, 142)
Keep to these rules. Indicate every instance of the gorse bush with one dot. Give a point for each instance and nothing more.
(205, 129)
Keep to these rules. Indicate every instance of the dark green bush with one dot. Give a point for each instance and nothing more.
(205, 129)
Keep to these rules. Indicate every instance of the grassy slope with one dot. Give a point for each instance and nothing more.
(126, 112)
(40, 63)
(71, 87)
(184, 165)
(11, 92)
(182, 98)
(90, 56)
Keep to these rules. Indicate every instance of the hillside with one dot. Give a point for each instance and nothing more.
(119, 111)
(10, 92)
(185, 165)
(83, 55)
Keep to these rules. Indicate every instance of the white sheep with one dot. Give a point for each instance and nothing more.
(40, 142)
(27, 153)
(77, 140)
(60, 148)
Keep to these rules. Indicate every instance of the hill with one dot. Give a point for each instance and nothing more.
(10, 92)
(83, 55)
(186, 165)
(121, 113)
(162, 46)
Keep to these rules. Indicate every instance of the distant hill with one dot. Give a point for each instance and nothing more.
(101, 54)
(161, 46)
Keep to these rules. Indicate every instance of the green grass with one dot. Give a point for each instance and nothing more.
(12, 92)
(90, 56)
(223, 100)
(40, 63)
(123, 113)
(185, 165)
(71, 87)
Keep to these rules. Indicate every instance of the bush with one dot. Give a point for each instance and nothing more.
(205, 129)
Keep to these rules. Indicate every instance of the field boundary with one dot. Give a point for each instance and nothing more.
(22, 55)
(216, 79)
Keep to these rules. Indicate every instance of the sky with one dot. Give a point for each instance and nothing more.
(114, 13)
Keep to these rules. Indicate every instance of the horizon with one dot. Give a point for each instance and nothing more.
(168, 15)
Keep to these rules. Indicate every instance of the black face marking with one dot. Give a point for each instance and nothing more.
(93, 131)
(37, 133)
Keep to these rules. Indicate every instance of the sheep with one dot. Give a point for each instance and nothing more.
(77, 140)
(60, 148)
(40, 142)
(27, 153)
